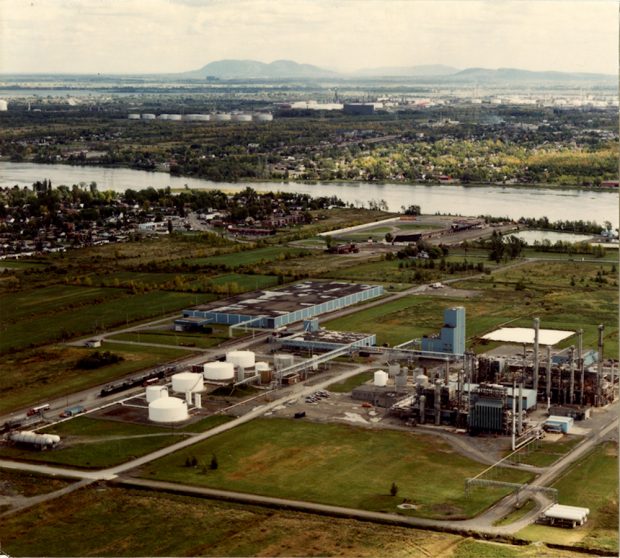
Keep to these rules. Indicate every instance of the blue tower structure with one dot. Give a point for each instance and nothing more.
(452, 336)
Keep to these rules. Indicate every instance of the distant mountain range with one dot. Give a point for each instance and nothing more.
(288, 69)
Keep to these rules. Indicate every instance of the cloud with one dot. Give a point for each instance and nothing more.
(177, 35)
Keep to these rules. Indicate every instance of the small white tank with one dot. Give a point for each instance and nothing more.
(168, 409)
(381, 378)
(221, 117)
(219, 371)
(262, 366)
(163, 117)
(242, 117)
(134, 116)
(174, 117)
(244, 359)
(155, 392)
(421, 380)
(148, 116)
(4, 106)
(187, 381)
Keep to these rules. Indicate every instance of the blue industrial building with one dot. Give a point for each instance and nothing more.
(452, 336)
(278, 308)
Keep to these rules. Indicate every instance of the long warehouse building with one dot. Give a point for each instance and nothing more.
(279, 307)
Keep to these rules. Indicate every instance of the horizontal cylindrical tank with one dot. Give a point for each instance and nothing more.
(148, 116)
(221, 116)
(134, 116)
(155, 392)
(187, 381)
(242, 117)
(197, 117)
(263, 117)
(28, 437)
(219, 371)
(168, 409)
(163, 117)
(381, 378)
(244, 359)
(174, 117)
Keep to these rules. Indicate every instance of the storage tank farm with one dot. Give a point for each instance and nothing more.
(168, 409)
(219, 371)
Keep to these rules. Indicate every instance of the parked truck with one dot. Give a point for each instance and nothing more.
(72, 411)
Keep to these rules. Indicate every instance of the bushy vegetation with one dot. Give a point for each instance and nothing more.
(97, 360)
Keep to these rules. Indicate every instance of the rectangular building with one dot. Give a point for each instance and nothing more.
(452, 336)
(281, 307)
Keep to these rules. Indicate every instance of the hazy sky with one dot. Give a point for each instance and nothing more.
(134, 36)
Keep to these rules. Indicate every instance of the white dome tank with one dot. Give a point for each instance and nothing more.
(381, 378)
(168, 409)
(244, 359)
(263, 117)
(134, 116)
(242, 117)
(148, 116)
(219, 371)
(421, 380)
(155, 392)
(187, 381)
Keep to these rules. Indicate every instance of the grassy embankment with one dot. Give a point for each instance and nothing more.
(592, 483)
(278, 457)
(94, 443)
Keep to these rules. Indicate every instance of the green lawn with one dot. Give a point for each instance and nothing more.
(543, 453)
(249, 257)
(591, 483)
(38, 323)
(36, 375)
(280, 457)
(347, 385)
(175, 338)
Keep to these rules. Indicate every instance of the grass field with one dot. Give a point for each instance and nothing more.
(249, 257)
(175, 338)
(278, 457)
(43, 317)
(37, 375)
(27, 484)
(591, 483)
(347, 385)
(544, 453)
(93, 443)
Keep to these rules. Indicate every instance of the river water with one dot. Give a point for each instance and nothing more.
(555, 204)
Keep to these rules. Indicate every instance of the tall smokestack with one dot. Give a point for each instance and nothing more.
(599, 371)
(571, 385)
(548, 390)
(536, 347)
(582, 379)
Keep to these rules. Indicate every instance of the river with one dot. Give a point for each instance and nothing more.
(555, 204)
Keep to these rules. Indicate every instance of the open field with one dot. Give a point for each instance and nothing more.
(36, 375)
(543, 453)
(280, 457)
(94, 443)
(249, 257)
(110, 521)
(590, 483)
(347, 385)
(32, 325)
(176, 338)
(26, 484)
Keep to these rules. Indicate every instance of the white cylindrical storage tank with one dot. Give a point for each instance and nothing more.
(4, 106)
(263, 117)
(202, 117)
(244, 359)
(242, 117)
(219, 371)
(174, 117)
(168, 409)
(381, 378)
(148, 116)
(421, 380)
(221, 116)
(281, 361)
(155, 392)
(134, 116)
(187, 381)
(163, 117)
(262, 366)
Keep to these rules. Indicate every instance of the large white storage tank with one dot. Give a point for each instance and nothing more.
(219, 371)
(163, 117)
(174, 117)
(134, 116)
(187, 381)
(242, 117)
(263, 117)
(148, 116)
(155, 392)
(381, 378)
(196, 117)
(244, 359)
(168, 409)
(221, 116)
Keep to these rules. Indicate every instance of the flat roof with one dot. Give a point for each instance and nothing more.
(526, 335)
(286, 300)
(327, 336)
